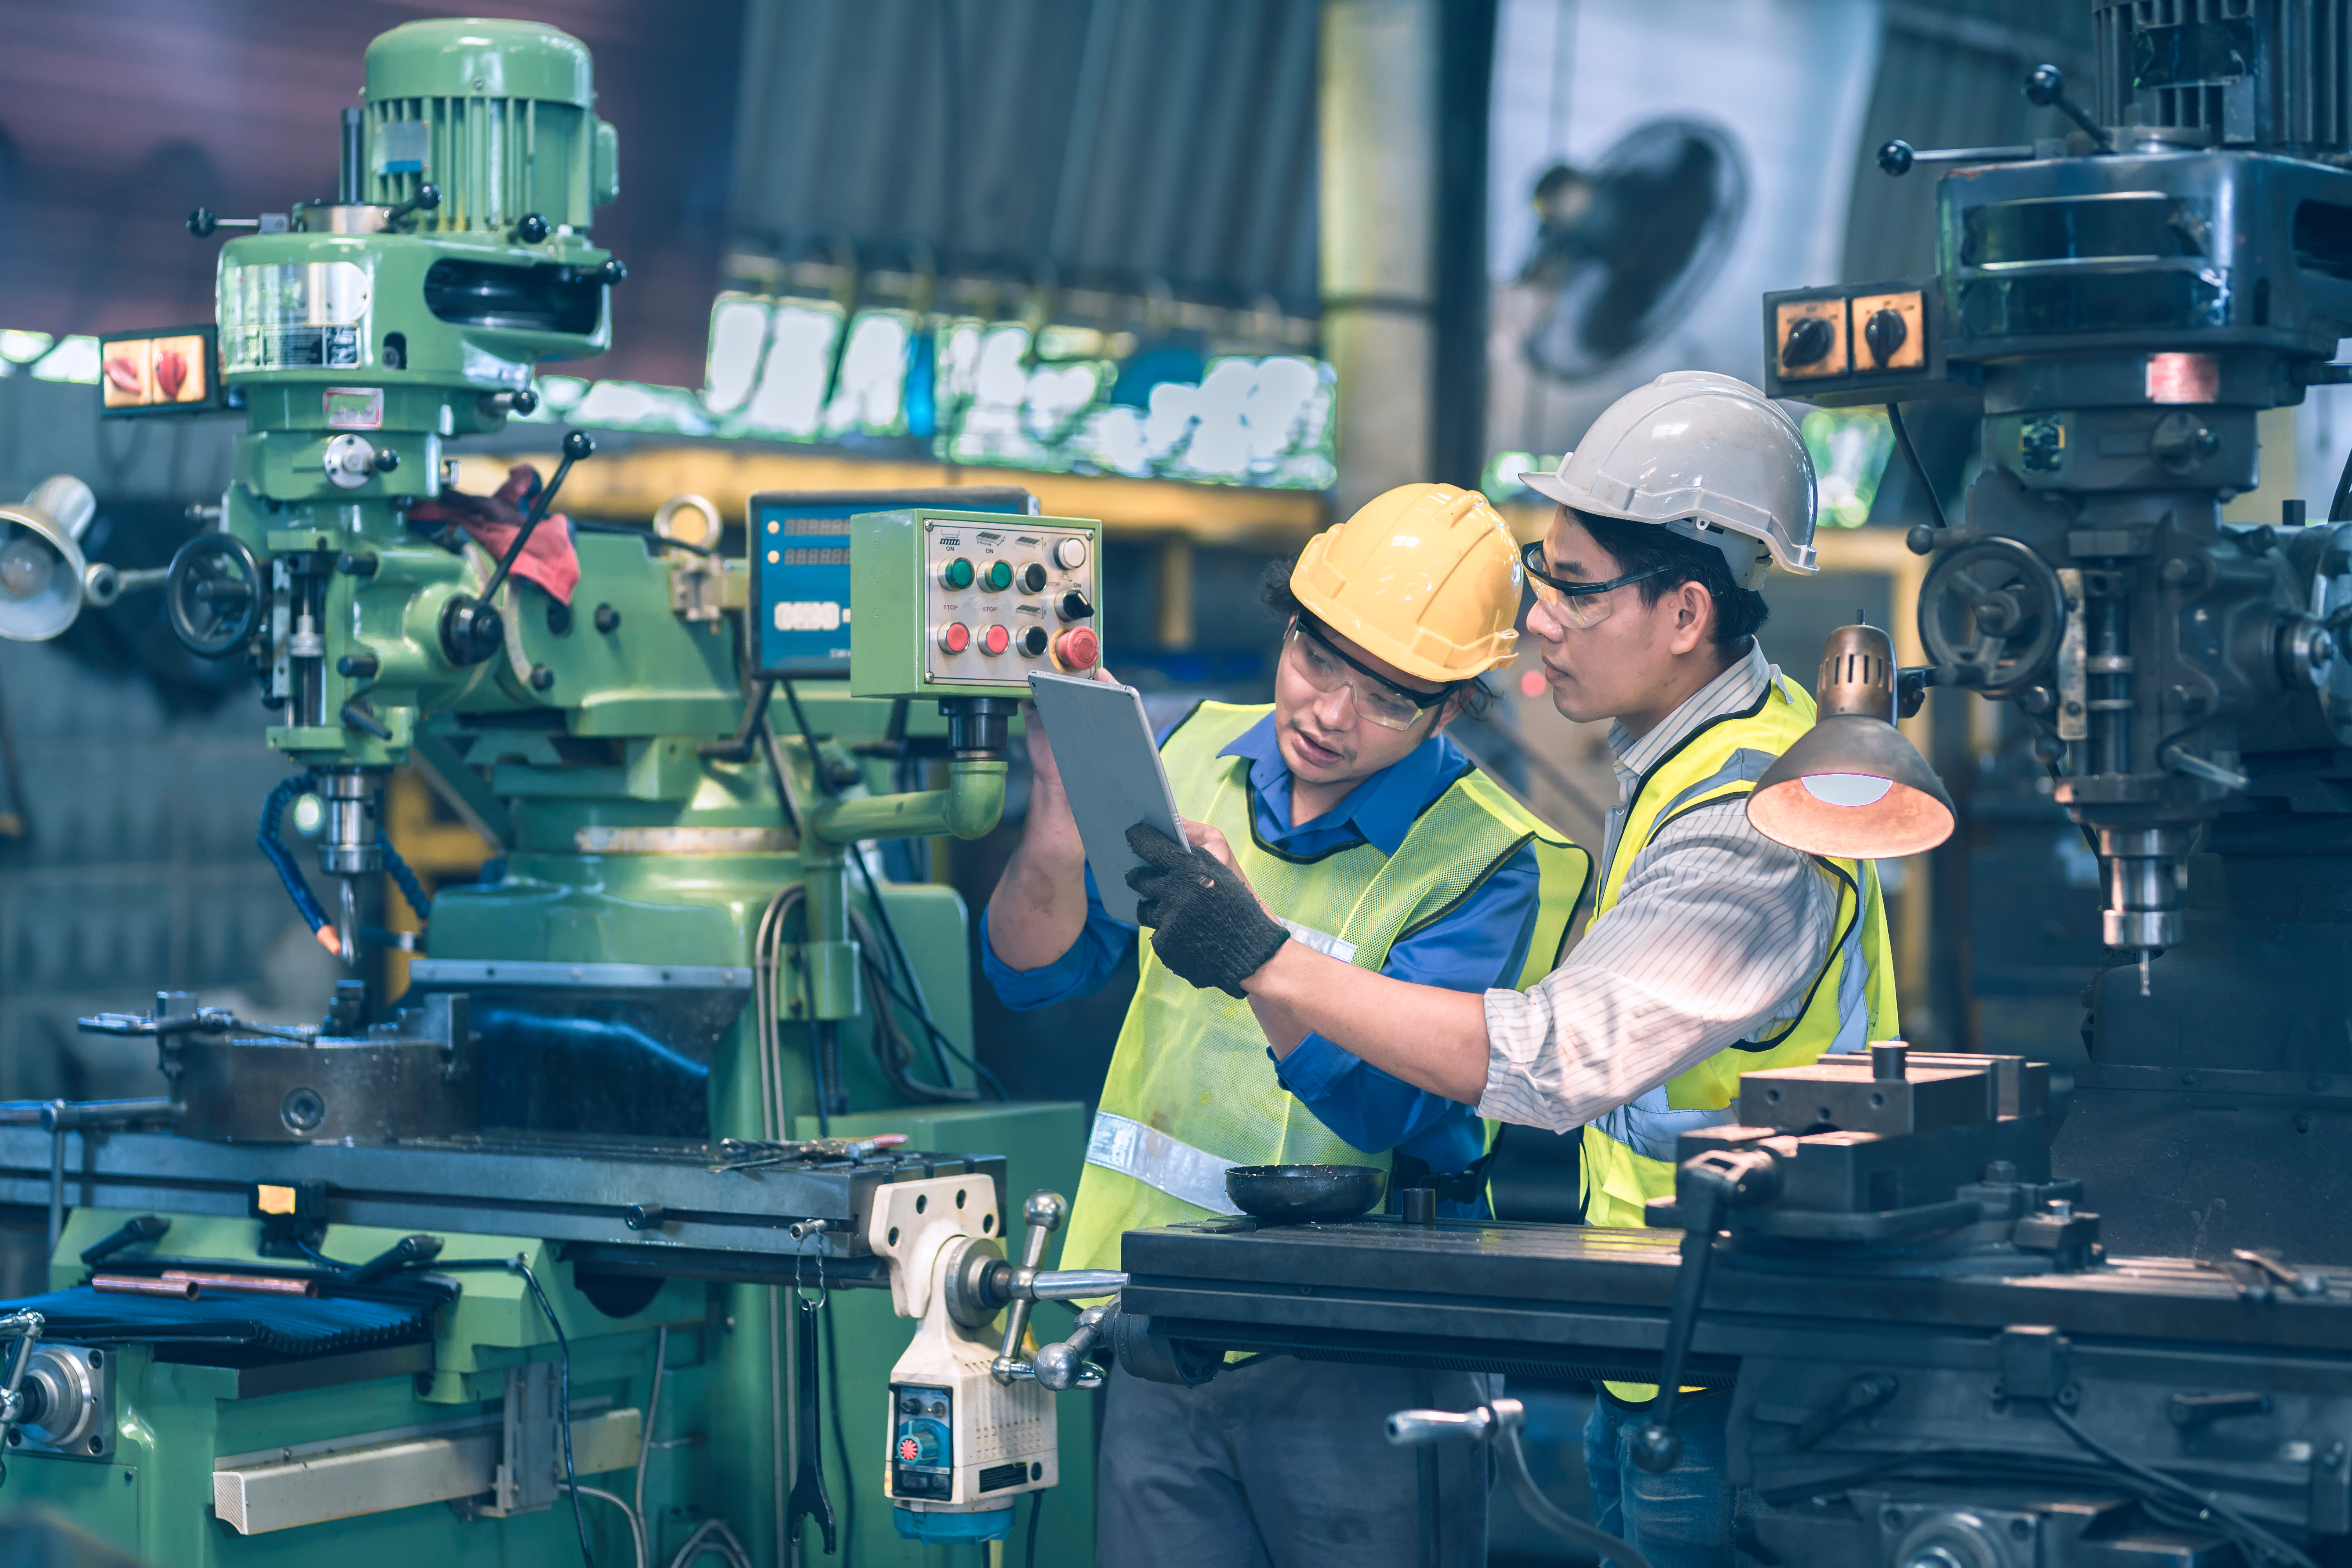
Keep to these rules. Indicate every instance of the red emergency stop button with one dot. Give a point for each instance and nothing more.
(955, 636)
(995, 640)
(1077, 649)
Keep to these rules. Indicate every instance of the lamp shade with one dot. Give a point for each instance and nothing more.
(1852, 786)
(41, 563)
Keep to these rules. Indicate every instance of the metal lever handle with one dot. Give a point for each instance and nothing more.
(1500, 1420)
(134, 1230)
(426, 199)
(2045, 88)
(1897, 157)
(1044, 1212)
(1063, 1366)
(408, 1249)
(1076, 1284)
(204, 222)
(202, 1021)
(577, 443)
(27, 1327)
(1417, 1429)
(1707, 1188)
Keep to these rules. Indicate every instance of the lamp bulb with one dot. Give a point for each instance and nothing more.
(26, 567)
(1846, 789)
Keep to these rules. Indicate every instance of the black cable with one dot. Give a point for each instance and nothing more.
(776, 766)
(644, 534)
(808, 738)
(891, 1047)
(563, 1402)
(320, 1259)
(1036, 1503)
(1918, 469)
(2270, 1545)
(840, 1439)
(923, 1013)
(2340, 509)
(816, 1074)
(939, 1041)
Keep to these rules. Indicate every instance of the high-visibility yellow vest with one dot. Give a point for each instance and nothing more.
(1629, 1153)
(1191, 1091)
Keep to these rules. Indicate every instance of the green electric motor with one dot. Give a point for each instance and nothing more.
(364, 333)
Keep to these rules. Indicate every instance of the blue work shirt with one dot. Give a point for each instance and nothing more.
(1480, 944)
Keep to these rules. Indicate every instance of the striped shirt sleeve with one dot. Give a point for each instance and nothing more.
(1715, 938)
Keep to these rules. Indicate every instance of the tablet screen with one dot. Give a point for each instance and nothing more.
(1111, 771)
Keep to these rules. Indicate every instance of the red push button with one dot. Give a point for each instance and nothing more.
(1077, 649)
(955, 636)
(995, 640)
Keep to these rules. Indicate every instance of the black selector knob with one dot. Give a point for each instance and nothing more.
(910, 1405)
(1810, 338)
(1032, 577)
(1033, 641)
(1076, 606)
(1884, 335)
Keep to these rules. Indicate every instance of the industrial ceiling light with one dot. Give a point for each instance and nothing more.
(41, 564)
(1852, 786)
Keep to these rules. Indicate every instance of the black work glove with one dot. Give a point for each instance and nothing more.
(1206, 924)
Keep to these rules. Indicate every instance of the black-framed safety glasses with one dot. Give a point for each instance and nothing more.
(1377, 698)
(1578, 604)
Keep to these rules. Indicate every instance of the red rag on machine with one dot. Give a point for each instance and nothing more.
(549, 560)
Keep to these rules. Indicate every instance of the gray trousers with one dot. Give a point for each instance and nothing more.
(1282, 1464)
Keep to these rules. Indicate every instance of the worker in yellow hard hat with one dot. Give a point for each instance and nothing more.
(1714, 949)
(1374, 839)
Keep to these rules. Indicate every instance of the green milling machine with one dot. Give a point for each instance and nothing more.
(659, 1087)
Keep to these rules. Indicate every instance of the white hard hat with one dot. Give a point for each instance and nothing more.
(1707, 456)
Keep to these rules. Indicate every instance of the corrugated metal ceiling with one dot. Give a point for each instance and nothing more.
(1950, 74)
(1140, 145)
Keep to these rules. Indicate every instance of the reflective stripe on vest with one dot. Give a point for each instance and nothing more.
(1156, 1160)
(1190, 1073)
(1627, 1153)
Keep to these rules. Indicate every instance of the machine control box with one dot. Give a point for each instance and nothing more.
(800, 568)
(1859, 343)
(922, 1442)
(972, 604)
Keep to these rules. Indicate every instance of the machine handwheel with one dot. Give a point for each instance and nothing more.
(212, 594)
(1990, 615)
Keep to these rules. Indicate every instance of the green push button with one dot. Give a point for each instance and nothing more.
(997, 577)
(957, 574)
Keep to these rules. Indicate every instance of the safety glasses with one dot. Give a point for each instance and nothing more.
(1577, 604)
(1326, 668)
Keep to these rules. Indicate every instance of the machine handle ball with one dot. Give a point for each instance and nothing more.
(212, 594)
(1656, 1447)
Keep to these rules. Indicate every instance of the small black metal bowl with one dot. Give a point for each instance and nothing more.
(1294, 1194)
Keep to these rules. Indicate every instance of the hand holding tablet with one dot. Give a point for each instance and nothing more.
(1110, 772)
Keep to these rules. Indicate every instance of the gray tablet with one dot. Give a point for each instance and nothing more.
(1112, 769)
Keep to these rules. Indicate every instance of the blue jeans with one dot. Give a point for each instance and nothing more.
(1679, 1519)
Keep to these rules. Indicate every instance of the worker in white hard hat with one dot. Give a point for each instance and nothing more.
(1373, 838)
(1712, 950)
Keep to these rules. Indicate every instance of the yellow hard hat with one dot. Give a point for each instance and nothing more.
(1425, 576)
